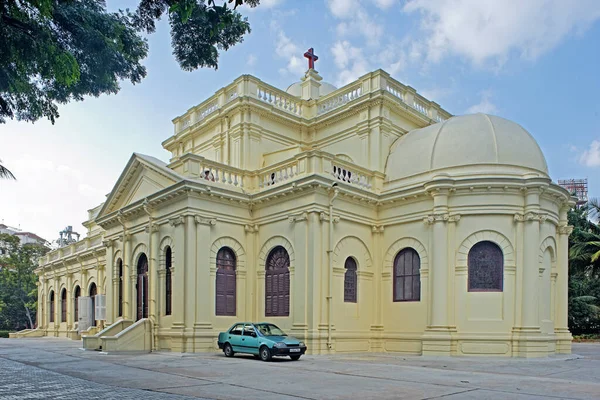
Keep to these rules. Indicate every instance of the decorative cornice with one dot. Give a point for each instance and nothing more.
(298, 217)
(200, 220)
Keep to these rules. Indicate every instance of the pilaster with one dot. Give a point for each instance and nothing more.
(178, 282)
(563, 336)
(201, 241)
(110, 284)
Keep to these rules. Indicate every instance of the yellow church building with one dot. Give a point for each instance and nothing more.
(358, 219)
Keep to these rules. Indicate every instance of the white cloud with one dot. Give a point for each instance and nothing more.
(490, 30)
(591, 156)
(251, 60)
(385, 4)
(484, 106)
(350, 62)
(270, 3)
(285, 48)
(356, 20)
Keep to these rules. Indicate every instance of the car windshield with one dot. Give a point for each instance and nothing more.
(269, 330)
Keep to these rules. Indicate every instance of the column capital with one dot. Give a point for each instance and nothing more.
(200, 220)
(293, 218)
(251, 228)
(151, 227)
(176, 221)
(441, 217)
(108, 242)
(565, 229)
(377, 228)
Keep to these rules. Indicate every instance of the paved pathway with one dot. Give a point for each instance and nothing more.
(48, 368)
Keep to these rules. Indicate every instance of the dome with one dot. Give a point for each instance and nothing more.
(295, 89)
(477, 144)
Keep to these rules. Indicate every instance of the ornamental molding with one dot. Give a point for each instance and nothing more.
(377, 228)
(176, 221)
(108, 242)
(298, 217)
(441, 217)
(565, 229)
(251, 228)
(200, 220)
(325, 218)
(152, 227)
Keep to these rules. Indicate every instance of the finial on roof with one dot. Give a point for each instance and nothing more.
(312, 57)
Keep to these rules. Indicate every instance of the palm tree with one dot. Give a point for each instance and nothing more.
(5, 173)
(585, 248)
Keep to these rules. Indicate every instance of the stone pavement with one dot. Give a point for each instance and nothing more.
(48, 368)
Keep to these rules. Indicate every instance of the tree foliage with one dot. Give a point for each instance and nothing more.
(584, 270)
(56, 51)
(18, 290)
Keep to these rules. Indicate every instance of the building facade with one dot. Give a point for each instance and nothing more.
(358, 219)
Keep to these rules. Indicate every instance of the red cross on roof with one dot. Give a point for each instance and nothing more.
(310, 54)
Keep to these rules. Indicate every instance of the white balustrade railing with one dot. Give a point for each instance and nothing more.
(420, 106)
(277, 175)
(333, 102)
(345, 174)
(221, 174)
(231, 95)
(439, 118)
(279, 100)
(396, 91)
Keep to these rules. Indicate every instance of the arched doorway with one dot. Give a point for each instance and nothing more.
(93, 293)
(142, 287)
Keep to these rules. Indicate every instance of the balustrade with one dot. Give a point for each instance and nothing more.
(420, 106)
(277, 175)
(279, 100)
(330, 102)
(345, 174)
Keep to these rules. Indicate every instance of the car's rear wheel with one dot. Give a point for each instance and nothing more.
(265, 353)
(228, 350)
(295, 358)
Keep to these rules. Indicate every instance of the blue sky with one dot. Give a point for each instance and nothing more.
(535, 62)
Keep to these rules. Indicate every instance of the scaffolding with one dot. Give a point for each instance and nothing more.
(67, 236)
(577, 187)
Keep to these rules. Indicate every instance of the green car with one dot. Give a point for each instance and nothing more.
(263, 340)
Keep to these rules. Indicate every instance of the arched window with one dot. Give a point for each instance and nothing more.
(52, 306)
(76, 296)
(350, 281)
(120, 288)
(277, 283)
(142, 287)
(407, 275)
(486, 267)
(93, 293)
(226, 288)
(63, 305)
(168, 281)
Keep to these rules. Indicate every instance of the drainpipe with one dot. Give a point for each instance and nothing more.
(330, 269)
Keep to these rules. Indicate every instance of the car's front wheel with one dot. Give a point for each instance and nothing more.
(265, 353)
(228, 350)
(295, 358)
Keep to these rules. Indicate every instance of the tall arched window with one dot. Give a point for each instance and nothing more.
(168, 281)
(226, 288)
(76, 296)
(63, 305)
(52, 306)
(277, 283)
(407, 275)
(120, 288)
(486, 267)
(350, 281)
(93, 293)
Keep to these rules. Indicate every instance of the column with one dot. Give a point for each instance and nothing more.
(531, 247)
(153, 261)
(127, 287)
(69, 301)
(202, 281)
(39, 316)
(178, 273)
(57, 304)
(300, 290)
(562, 285)
(100, 276)
(190, 272)
(111, 303)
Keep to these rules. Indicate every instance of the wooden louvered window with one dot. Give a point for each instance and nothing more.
(486, 267)
(52, 306)
(225, 284)
(93, 293)
(277, 283)
(407, 275)
(76, 304)
(350, 281)
(63, 305)
(120, 303)
(168, 281)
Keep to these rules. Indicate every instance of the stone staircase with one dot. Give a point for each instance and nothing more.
(124, 336)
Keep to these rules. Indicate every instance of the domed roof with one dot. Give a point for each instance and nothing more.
(295, 89)
(476, 143)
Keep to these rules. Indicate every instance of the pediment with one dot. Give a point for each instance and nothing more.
(142, 177)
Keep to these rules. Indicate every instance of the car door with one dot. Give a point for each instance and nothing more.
(235, 337)
(250, 339)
